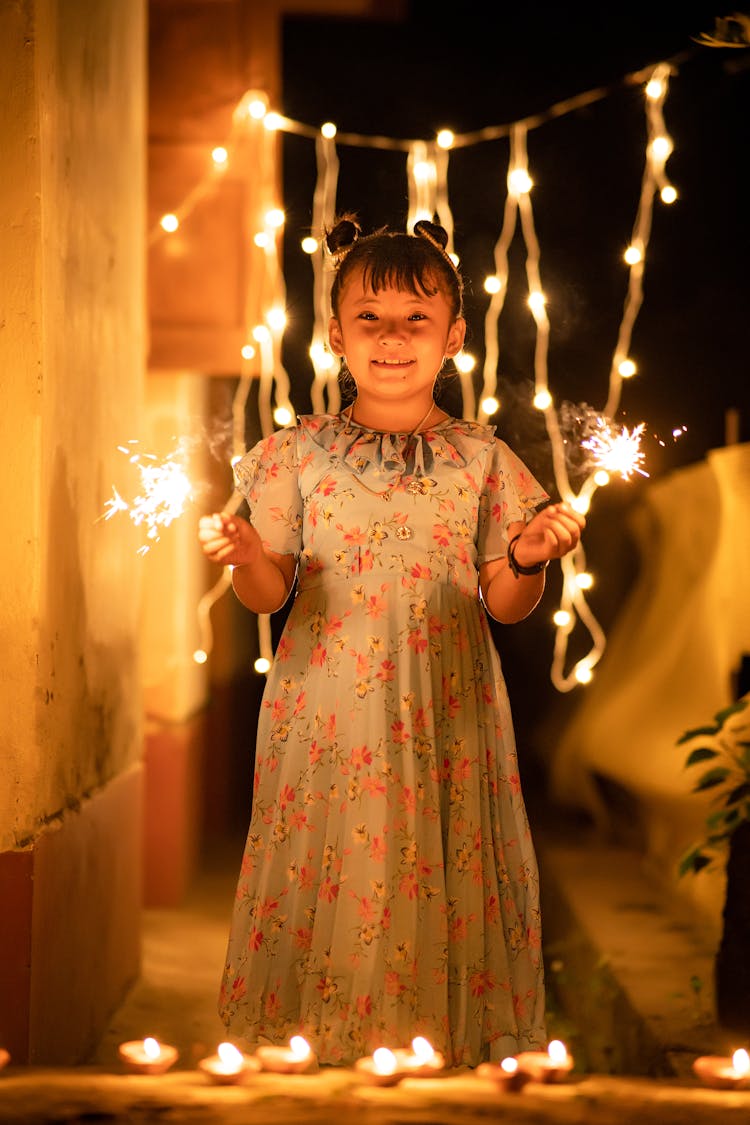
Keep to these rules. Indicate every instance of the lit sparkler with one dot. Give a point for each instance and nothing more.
(165, 490)
(617, 449)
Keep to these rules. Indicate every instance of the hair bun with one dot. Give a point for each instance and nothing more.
(343, 235)
(432, 231)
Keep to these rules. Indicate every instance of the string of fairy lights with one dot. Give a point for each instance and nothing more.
(614, 448)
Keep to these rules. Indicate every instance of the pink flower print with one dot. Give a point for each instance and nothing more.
(360, 756)
(362, 665)
(399, 733)
(514, 781)
(299, 819)
(354, 535)
(318, 655)
(386, 671)
(442, 535)
(315, 753)
(328, 890)
(408, 885)
(419, 570)
(239, 988)
(284, 649)
(255, 940)
(333, 626)
(481, 982)
(435, 626)
(286, 797)
(300, 703)
(408, 799)
(327, 988)
(364, 1006)
(366, 909)
(278, 710)
(417, 641)
(329, 727)
(272, 1005)
(394, 986)
(374, 786)
(327, 486)
(365, 561)
(492, 910)
(378, 850)
(519, 1004)
(375, 606)
(423, 867)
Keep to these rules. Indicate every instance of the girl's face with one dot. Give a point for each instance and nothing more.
(394, 341)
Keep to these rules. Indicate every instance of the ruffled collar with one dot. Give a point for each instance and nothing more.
(455, 441)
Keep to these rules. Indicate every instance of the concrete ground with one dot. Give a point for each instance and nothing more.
(622, 975)
(629, 982)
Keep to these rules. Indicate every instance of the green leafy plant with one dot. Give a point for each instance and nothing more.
(725, 744)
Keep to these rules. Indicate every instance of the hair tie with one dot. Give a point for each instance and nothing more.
(433, 232)
(342, 236)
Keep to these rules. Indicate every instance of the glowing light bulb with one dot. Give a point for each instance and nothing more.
(445, 138)
(282, 415)
(328, 130)
(260, 334)
(257, 108)
(654, 88)
(561, 618)
(273, 121)
(321, 357)
(275, 218)
(423, 170)
(661, 147)
(668, 193)
(601, 477)
(247, 351)
(169, 223)
(309, 244)
(584, 580)
(454, 258)
(557, 1051)
(490, 404)
(537, 301)
(276, 319)
(151, 1048)
(262, 665)
(633, 255)
(627, 368)
(220, 155)
(580, 504)
(519, 181)
(542, 399)
(509, 1065)
(261, 240)
(465, 362)
(200, 656)
(493, 284)
(583, 674)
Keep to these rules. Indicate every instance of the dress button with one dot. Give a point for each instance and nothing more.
(403, 532)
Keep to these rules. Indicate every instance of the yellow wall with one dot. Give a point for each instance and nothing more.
(72, 344)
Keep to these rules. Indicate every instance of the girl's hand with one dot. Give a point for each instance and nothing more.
(552, 533)
(229, 540)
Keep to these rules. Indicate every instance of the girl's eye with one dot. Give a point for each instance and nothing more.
(417, 316)
(367, 316)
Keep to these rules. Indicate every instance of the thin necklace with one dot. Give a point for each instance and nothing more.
(350, 411)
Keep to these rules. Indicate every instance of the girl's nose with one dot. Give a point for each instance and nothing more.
(391, 333)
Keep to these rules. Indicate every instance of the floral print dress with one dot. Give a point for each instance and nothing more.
(389, 886)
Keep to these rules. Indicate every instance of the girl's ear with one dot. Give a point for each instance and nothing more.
(335, 339)
(456, 336)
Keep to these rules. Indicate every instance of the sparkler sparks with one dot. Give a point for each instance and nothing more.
(165, 490)
(618, 450)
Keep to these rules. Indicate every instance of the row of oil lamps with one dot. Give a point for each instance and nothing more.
(386, 1067)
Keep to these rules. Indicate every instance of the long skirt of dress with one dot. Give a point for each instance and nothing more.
(389, 886)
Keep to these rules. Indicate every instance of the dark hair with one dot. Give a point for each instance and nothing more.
(417, 263)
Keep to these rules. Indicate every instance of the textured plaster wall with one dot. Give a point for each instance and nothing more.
(71, 362)
(670, 664)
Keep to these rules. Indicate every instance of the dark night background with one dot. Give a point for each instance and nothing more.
(472, 65)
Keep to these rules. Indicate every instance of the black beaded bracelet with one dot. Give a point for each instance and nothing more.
(516, 569)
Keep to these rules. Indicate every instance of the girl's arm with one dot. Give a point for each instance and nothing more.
(261, 578)
(551, 534)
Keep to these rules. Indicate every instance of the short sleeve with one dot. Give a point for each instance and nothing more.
(510, 494)
(267, 476)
